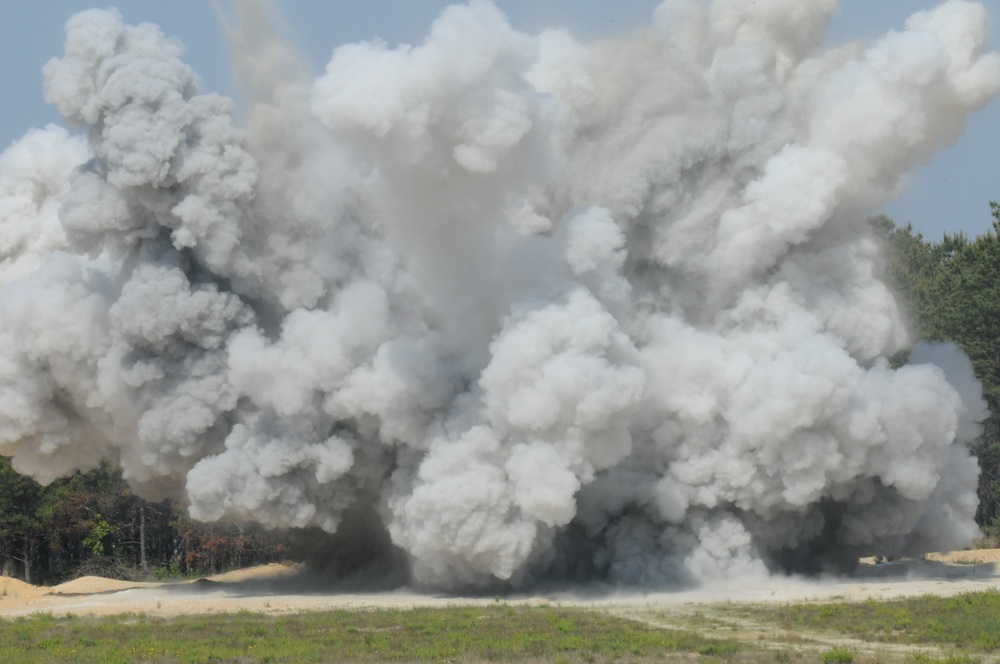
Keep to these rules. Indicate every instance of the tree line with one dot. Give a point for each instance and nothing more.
(951, 289)
(92, 523)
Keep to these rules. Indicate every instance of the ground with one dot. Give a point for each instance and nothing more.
(289, 588)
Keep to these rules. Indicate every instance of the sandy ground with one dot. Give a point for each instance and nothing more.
(286, 588)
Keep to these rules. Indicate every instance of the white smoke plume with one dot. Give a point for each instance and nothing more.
(543, 308)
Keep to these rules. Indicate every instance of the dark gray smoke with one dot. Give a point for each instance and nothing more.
(537, 306)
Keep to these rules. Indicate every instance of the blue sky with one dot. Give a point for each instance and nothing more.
(950, 193)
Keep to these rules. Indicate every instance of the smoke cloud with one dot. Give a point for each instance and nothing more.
(541, 308)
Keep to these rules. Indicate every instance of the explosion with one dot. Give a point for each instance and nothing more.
(534, 308)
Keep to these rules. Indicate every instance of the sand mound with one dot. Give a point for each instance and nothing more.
(89, 585)
(261, 572)
(16, 588)
(972, 557)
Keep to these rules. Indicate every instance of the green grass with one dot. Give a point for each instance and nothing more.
(950, 659)
(962, 630)
(970, 621)
(500, 633)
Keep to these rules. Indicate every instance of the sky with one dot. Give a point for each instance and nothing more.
(951, 193)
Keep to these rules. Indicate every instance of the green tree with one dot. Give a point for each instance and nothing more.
(952, 290)
(20, 499)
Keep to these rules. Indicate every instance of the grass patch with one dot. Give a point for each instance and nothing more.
(495, 633)
(837, 656)
(949, 659)
(970, 621)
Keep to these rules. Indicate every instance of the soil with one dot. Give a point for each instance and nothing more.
(290, 588)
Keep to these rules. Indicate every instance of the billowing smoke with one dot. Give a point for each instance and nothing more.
(542, 308)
